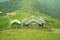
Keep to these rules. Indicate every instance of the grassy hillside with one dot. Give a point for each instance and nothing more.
(4, 22)
(48, 7)
(24, 9)
(50, 22)
(28, 34)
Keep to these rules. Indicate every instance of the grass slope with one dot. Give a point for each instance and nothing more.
(48, 7)
(28, 34)
(4, 22)
(51, 22)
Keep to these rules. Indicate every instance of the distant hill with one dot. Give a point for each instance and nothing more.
(49, 7)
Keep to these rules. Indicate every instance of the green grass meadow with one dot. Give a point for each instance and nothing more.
(49, 10)
(28, 34)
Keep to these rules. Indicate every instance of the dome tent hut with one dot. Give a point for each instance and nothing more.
(15, 24)
(33, 22)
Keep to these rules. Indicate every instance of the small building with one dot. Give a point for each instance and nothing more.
(15, 24)
(33, 22)
(11, 13)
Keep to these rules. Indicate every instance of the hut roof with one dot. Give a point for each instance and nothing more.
(17, 21)
(32, 18)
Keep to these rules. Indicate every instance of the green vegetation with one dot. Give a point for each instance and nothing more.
(28, 34)
(50, 22)
(49, 7)
(4, 22)
(24, 9)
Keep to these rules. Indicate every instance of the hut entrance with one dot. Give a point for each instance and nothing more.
(33, 24)
(15, 24)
